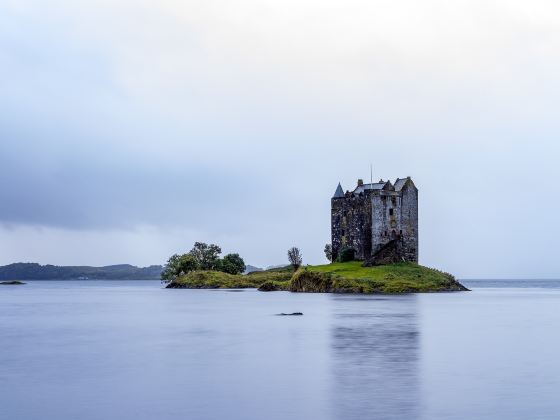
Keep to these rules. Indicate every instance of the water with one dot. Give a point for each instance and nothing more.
(131, 350)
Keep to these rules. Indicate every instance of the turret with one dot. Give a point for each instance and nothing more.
(339, 193)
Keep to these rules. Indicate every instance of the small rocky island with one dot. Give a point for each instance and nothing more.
(11, 282)
(346, 277)
(374, 249)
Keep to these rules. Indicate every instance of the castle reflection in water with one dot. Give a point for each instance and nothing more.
(375, 353)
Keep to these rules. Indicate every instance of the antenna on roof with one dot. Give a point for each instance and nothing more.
(371, 172)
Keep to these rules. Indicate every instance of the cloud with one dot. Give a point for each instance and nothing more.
(233, 122)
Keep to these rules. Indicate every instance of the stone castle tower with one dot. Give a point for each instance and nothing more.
(379, 221)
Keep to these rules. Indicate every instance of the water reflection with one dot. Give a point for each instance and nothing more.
(375, 350)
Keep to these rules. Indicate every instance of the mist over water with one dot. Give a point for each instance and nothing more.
(131, 350)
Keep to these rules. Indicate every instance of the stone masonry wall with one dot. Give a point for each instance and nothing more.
(386, 219)
(409, 223)
(351, 225)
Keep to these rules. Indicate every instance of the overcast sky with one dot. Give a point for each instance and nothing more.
(130, 129)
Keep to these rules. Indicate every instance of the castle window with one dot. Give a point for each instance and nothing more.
(391, 212)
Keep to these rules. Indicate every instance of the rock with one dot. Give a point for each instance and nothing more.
(268, 286)
(311, 282)
(292, 314)
(13, 282)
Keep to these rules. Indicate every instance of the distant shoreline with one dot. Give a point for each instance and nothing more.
(84, 280)
(34, 271)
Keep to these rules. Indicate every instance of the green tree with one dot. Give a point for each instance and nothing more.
(232, 264)
(207, 256)
(179, 265)
(328, 252)
(294, 256)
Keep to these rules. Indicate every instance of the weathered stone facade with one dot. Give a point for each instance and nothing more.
(373, 215)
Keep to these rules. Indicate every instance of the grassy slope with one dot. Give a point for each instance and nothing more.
(353, 278)
(348, 277)
(276, 279)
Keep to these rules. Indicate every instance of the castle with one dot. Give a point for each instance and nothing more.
(379, 221)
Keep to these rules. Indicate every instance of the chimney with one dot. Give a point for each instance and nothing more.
(360, 182)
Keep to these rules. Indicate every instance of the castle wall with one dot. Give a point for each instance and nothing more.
(351, 225)
(409, 223)
(337, 213)
(386, 224)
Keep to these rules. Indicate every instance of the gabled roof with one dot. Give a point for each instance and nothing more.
(374, 186)
(388, 186)
(400, 183)
(339, 193)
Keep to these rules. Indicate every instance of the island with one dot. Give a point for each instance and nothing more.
(374, 249)
(339, 277)
(11, 283)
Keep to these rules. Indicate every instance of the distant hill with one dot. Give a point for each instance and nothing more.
(252, 269)
(34, 271)
(275, 267)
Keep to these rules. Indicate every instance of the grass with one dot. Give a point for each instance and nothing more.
(275, 279)
(349, 277)
(275, 274)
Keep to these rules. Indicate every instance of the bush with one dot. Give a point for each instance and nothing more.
(232, 264)
(206, 256)
(328, 252)
(346, 254)
(202, 257)
(179, 265)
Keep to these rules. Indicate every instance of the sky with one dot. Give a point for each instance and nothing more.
(131, 129)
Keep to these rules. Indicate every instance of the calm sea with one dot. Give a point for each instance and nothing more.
(130, 350)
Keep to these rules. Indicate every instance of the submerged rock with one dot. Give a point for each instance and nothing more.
(292, 314)
(268, 286)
